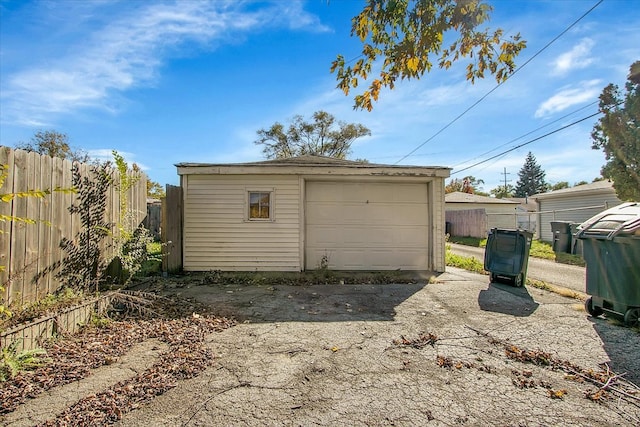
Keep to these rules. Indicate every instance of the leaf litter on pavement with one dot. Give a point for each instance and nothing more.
(173, 321)
(608, 383)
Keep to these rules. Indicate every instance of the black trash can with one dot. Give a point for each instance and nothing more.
(561, 236)
(447, 228)
(611, 249)
(506, 255)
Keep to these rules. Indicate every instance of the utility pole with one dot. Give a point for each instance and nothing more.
(505, 180)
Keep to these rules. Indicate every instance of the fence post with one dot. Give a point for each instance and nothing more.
(171, 230)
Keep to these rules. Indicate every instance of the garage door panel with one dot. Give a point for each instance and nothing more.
(367, 226)
(324, 192)
(413, 215)
(324, 237)
(329, 237)
(348, 259)
(411, 236)
(327, 214)
(353, 236)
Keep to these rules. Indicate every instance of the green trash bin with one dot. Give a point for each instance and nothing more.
(506, 255)
(611, 250)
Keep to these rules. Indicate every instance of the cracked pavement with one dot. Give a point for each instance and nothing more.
(325, 355)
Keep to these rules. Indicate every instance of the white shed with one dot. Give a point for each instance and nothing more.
(306, 212)
(576, 204)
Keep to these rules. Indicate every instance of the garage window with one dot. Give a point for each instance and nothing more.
(260, 204)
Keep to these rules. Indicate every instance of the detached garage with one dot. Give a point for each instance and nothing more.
(306, 212)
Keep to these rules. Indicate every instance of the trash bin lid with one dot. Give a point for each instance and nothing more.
(621, 219)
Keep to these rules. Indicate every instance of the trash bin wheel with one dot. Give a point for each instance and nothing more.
(517, 281)
(591, 309)
(632, 317)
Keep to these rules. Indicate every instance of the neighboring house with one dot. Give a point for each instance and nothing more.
(474, 215)
(576, 204)
(310, 212)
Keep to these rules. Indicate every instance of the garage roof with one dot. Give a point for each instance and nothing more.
(311, 165)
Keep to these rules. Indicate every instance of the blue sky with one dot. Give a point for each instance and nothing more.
(192, 81)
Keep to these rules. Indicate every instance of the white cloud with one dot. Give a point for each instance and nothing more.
(129, 52)
(565, 98)
(576, 58)
(106, 155)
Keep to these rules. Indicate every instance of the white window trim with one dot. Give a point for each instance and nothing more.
(272, 198)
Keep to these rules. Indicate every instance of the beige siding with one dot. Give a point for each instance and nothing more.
(571, 202)
(217, 235)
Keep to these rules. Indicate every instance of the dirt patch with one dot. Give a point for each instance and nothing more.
(459, 351)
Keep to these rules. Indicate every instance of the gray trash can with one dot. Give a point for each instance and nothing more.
(506, 255)
(576, 244)
(561, 236)
(611, 249)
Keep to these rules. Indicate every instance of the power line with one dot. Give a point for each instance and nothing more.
(527, 134)
(527, 143)
(499, 84)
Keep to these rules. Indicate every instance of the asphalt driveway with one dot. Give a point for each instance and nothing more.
(457, 351)
(568, 276)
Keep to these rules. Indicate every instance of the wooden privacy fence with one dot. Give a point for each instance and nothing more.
(153, 220)
(467, 223)
(28, 249)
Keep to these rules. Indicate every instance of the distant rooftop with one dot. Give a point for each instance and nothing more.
(460, 197)
(594, 187)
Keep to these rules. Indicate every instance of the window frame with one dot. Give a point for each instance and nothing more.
(247, 210)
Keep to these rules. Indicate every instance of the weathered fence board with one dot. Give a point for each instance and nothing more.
(467, 223)
(172, 229)
(18, 233)
(153, 220)
(6, 158)
(44, 226)
(26, 250)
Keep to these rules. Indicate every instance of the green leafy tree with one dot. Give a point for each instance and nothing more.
(54, 144)
(468, 184)
(404, 39)
(617, 133)
(559, 185)
(155, 190)
(530, 178)
(131, 238)
(503, 191)
(324, 136)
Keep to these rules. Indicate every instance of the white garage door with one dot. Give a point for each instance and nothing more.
(367, 226)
